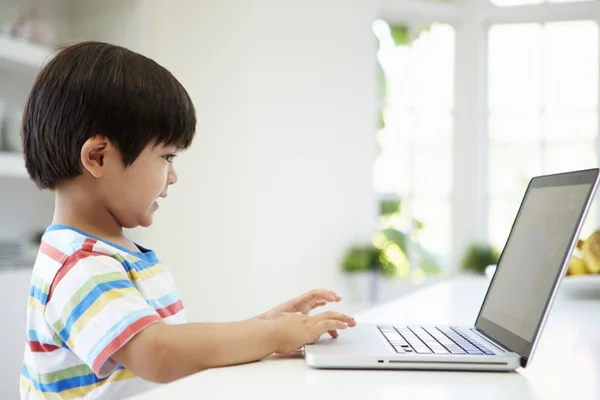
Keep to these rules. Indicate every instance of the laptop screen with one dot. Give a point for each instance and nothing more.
(541, 238)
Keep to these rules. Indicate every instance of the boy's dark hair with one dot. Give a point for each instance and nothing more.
(93, 88)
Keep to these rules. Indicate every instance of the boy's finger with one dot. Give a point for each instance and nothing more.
(319, 303)
(334, 334)
(330, 325)
(335, 315)
(328, 295)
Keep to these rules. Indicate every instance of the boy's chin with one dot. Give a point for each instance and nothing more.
(146, 222)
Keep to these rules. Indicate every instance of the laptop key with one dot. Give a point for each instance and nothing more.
(393, 336)
(475, 352)
(422, 350)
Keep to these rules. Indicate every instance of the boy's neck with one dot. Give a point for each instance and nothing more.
(76, 208)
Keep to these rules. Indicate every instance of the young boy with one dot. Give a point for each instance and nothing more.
(101, 129)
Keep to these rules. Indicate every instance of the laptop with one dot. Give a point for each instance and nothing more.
(515, 307)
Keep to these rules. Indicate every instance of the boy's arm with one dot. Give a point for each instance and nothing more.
(163, 353)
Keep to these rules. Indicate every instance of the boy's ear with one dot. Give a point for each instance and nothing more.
(92, 155)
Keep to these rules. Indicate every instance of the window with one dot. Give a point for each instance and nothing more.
(414, 164)
(543, 110)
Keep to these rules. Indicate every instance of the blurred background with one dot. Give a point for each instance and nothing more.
(368, 146)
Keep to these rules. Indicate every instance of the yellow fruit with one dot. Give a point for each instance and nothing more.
(577, 267)
(591, 252)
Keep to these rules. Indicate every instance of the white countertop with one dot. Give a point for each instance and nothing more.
(566, 364)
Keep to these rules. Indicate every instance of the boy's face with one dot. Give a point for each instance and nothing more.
(131, 193)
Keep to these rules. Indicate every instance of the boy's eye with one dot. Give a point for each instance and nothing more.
(169, 157)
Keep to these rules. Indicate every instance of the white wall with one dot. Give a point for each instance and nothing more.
(278, 180)
(14, 289)
(313, 86)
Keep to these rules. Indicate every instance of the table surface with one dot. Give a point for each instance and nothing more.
(566, 363)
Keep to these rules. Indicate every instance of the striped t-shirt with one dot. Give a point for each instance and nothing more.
(88, 297)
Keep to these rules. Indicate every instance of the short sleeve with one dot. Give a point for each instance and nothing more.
(95, 308)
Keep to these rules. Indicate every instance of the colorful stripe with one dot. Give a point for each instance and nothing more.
(33, 336)
(147, 273)
(53, 252)
(38, 294)
(69, 265)
(96, 308)
(76, 386)
(164, 301)
(171, 310)
(88, 244)
(38, 347)
(121, 339)
(41, 284)
(84, 298)
(120, 328)
(126, 259)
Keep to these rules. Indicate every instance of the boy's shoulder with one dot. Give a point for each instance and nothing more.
(61, 242)
(63, 245)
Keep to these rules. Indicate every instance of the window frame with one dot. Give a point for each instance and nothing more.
(471, 20)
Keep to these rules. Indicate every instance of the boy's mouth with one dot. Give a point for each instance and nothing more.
(156, 200)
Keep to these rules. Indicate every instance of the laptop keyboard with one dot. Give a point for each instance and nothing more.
(431, 340)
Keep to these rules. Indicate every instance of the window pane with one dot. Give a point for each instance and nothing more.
(512, 164)
(515, 65)
(530, 137)
(502, 215)
(432, 175)
(396, 62)
(434, 213)
(430, 127)
(571, 65)
(391, 174)
(570, 125)
(415, 160)
(433, 53)
(590, 224)
(515, 126)
(567, 157)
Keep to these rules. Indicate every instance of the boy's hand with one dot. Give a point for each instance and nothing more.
(304, 303)
(292, 331)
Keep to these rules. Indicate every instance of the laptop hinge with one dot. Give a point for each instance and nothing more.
(489, 339)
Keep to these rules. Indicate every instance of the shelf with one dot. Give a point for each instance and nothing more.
(19, 55)
(12, 165)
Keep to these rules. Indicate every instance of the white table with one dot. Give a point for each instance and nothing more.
(566, 364)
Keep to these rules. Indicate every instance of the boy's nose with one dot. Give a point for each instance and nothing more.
(172, 176)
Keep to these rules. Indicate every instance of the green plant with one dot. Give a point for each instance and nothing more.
(362, 258)
(389, 207)
(423, 258)
(388, 251)
(479, 256)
